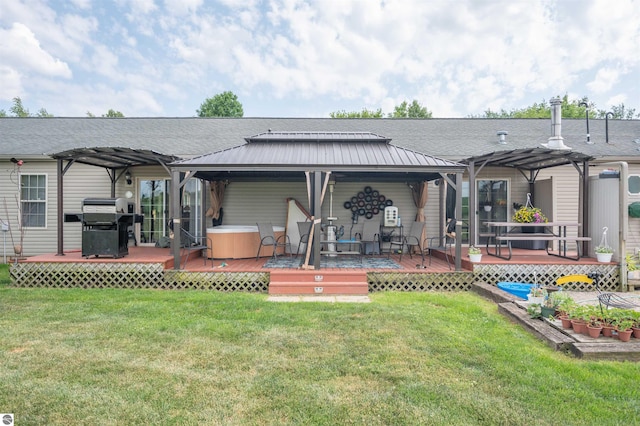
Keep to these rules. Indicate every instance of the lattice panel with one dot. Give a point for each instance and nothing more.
(547, 274)
(255, 282)
(397, 281)
(87, 275)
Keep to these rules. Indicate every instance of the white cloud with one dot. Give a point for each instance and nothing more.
(455, 58)
(10, 83)
(604, 80)
(181, 7)
(19, 48)
(82, 4)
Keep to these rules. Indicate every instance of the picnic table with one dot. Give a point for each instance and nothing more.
(506, 232)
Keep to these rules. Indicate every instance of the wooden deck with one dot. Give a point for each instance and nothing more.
(151, 267)
(408, 264)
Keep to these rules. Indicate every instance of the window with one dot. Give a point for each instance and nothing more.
(634, 184)
(33, 200)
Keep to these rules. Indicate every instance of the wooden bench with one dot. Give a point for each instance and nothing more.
(562, 248)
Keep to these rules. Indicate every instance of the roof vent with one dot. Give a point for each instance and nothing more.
(502, 137)
(556, 141)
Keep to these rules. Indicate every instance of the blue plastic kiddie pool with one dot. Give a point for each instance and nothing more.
(517, 289)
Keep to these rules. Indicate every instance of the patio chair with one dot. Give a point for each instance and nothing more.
(413, 239)
(443, 243)
(607, 299)
(190, 243)
(304, 229)
(370, 237)
(267, 238)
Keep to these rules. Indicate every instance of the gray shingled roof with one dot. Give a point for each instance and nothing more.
(453, 139)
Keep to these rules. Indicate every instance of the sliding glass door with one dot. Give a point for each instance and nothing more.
(493, 204)
(154, 205)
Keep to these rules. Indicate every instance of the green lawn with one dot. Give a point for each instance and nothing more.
(126, 357)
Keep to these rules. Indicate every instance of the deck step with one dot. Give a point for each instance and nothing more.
(318, 282)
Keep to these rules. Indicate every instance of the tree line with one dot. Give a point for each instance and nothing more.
(226, 104)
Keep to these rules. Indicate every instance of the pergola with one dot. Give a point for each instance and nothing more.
(529, 162)
(314, 157)
(115, 160)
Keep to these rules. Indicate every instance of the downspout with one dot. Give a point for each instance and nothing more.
(60, 209)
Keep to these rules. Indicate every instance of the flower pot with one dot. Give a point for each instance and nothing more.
(566, 322)
(604, 257)
(535, 299)
(636, 332)
(475, 258)
(487, 208)
(625, 335)
(579, 326)
(607, 330)
(547, 312)
(17, 249)
(594, 331)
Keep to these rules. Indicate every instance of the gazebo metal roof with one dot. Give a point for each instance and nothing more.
(115, 157)
(349, 155)
(529, 158)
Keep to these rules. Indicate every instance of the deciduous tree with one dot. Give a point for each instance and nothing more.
(223, 104)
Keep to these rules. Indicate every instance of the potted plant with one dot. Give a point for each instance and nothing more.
(635, 317)
(548, 309)
(623, 327)
(475, 255)
(604, 253)
(565, 307)
(579, 317)
(537, 295)
(529, 214)
(594, 327)
(534, 310)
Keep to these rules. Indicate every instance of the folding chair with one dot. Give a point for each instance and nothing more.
(413, 239)
(370, 236)
(190, 242)
(268, 238)
(304, 229)
(444, 242)
(604, 298)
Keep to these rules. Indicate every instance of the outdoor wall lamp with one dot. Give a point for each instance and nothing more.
(127, 177)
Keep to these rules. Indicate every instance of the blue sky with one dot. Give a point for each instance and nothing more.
(290, 58)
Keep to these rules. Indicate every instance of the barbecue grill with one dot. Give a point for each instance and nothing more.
(105, 226)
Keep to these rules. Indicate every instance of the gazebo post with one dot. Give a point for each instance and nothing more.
(317, 214)
(175, 216)
(60, 209)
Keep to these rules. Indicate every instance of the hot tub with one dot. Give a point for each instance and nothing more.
(238, 241)
(517, 289)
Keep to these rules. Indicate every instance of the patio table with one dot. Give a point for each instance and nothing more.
(554, 231)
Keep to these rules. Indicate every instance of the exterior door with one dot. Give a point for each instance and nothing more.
(493, 204)
(192, 207)
(154, 205)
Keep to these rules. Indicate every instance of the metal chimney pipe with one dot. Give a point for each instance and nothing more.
(606, 124)
(586, 105)
(556, 140)
(502, 137)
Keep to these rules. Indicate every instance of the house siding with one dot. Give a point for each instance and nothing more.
(80, 182)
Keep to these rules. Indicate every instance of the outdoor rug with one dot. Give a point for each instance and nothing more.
(335, 262)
